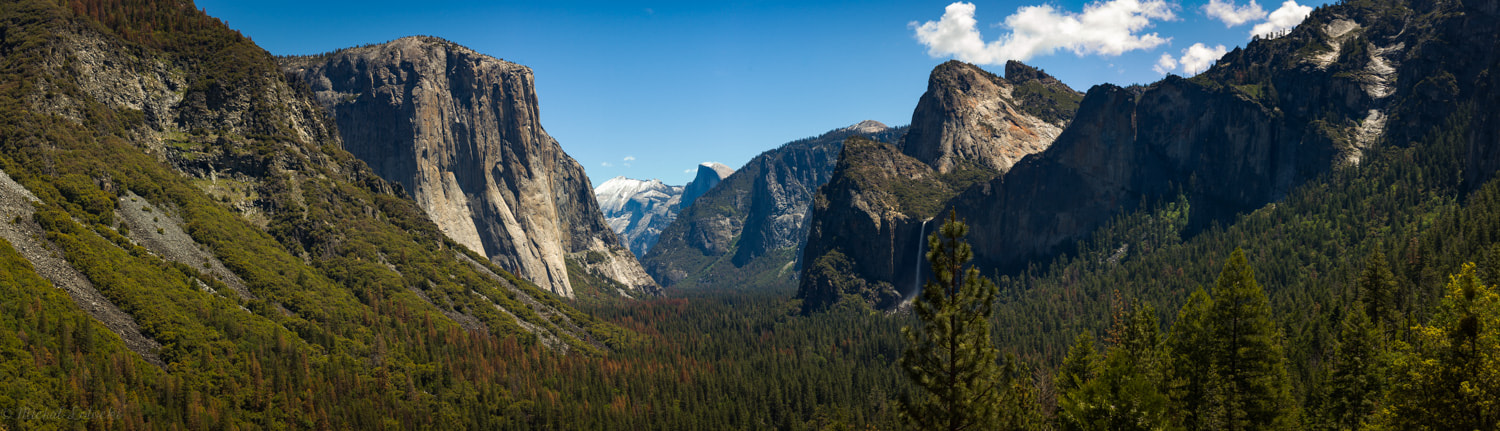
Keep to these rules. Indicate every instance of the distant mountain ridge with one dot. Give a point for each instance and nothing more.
(638, 210)
(748, 231)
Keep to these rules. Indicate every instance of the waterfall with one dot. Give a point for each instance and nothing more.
(917, 274)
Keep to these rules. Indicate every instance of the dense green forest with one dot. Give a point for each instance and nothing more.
(1353, 300)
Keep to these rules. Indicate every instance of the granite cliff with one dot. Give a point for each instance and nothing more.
(709, 174)
(1264, 120)
(969, 117)
(461, 133)
(969, 127)
(748, 231)
(181, 217)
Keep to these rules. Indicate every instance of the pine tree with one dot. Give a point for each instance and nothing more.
(1377, 288)
(1078, 367)
(950, 355)
(1247, 351)
(1019, 407)
(1125, 394)
(1193, 383)
(1449, 377)
(1357, 371)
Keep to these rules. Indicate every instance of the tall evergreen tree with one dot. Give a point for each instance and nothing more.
(1377, 289)
(1193, 383)
(1126, 393)
(1078, 367)
(1137, 331)
(1357, 372)
(1247, 351)
(1019, 406)
(950, 355)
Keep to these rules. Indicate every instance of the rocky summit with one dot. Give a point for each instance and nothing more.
(970, 126)
(709, 175)
(461, 133)
(181, 218)
(748, 231)
(970, 117)
(637, 210)
(1264, 120)
(1246, 133)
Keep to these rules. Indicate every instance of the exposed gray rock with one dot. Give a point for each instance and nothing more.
(970, 126)
(638, 210)
(28, 238)
(1264, 120)
(970, 116)
(461, 133)
(764, 205)
(160, 231)
(709, 175)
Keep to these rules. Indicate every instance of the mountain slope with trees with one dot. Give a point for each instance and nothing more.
(339, 305)
(277, 282)
(749, 230)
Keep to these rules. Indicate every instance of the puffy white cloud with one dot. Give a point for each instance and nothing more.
(1165, 64)
(1284, 18)
(1231, 15)
(1195, 59)
(605, 164)
(1107, 28)
(1199, 57)
(630, 158)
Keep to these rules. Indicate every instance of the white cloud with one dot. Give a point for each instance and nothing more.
(630, 158)
(1107, 28)
(688, 171)
(605, 164)
(1195, 59)
(1231, 15)
(1199, 57)
(1284, 18)
(1165, 64)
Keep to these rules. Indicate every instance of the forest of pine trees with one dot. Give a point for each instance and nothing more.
(1349, 304)
(1221, 365)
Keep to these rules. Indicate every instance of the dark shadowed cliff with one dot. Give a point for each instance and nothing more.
(1263, 121)
(748, 231)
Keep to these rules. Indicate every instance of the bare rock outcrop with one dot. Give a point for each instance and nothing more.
(971, 126)
(709, 175)
(461, 133)
(749, 230)
(638, 210)
(28, 238)
(1264, 120)
(970, 116)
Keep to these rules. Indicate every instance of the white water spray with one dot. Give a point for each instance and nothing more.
(917, 266)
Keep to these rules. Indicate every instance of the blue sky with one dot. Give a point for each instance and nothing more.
(651, 89)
